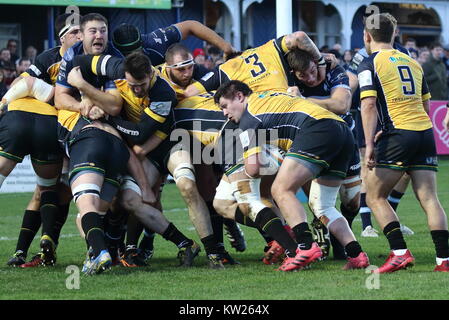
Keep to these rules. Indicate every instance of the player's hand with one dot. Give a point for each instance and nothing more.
(139, 151)
(330, 57)
(294, 90)
(85, 106)
(96, 113)
(377, 136)
(75, 77)
(370, 160)
(227, 51)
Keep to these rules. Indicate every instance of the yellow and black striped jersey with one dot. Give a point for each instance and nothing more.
(262, 68)
(281, 115)
(398, 83)
(200, 116)
(45, 67)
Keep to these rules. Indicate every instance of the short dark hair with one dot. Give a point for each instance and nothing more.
(22, 60)
(92, 17)
(138, 65)
(299, 60)
(11, 40)
(177, 48)
(232, 55)
(61, 21)
(126, 38)
(382, 32)
(229, 89)
(435, 45)
(410, 39)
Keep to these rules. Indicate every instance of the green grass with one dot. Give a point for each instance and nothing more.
(251, 280)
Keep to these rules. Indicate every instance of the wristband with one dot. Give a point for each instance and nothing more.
(321, 62)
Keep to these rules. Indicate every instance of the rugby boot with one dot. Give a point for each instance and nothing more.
(395, 263)
(322, 237)
(17, 259)
(443, 267)
(215, 261)
(48, 249)
(101, 263)
(274, 253)
(302, 259)
(359, 262)
(236, 237)
(187, 254)
(35, 261)
(227, 259)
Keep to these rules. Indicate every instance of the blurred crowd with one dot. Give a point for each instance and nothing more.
(12, 64)
(433, 58)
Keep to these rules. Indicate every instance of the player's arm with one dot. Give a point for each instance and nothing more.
(149, 145)
(208, 82)
(199, 30)
(65, 100)
(109, 101)
(368, 97)
(136, 170)
(353, 81)
(251, 148)
(340, 100)
(425, 94)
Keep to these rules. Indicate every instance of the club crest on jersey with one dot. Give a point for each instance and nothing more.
(161, 107)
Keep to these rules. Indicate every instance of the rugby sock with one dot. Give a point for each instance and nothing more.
(303, 235)
(61, 218)
(353, 249)
(147, 242)
(174, 235)
(365, 212)
(348, 214)
(30, 225)
(440, 239)
(394, 198)
(394, 236)
(242, 219)
(217, 222)
(269, 222)
(210, 245)
(337, 248)
(92, 224)
(113, 228)
(49, 212)
(134, 229)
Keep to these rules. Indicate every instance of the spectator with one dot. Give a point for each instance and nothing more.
(324, 49)
(209, 62)
(22, 65)
(337, 47)
(410, 43)
(5, 58)
(423, 56)
(446, 62)
(214, 53)
(3, 88)
(12, 47)
(31, 53)
(435, 73)
(199, 56)
(347, 57)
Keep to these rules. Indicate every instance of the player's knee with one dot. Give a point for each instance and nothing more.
(130, 200)
(322, 202)
(350, 193)
(188, 189)
(184, 171)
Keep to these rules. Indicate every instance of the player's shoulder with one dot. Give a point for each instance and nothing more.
(161, 88)
(51, 55)
(73, 51)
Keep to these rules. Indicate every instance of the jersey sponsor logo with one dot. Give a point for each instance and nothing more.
(365, 78)
(161, 108)
(432, 161)
(207, 76)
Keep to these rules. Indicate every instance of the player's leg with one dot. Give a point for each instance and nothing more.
(395, 197)
(425, 188)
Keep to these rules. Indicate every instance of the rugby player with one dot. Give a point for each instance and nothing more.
(393, 89)
(399, 190)
(38, 82)
(333, 94)
(318, 143)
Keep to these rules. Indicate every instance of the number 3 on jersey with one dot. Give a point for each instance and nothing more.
(407, 78)
(254, 60)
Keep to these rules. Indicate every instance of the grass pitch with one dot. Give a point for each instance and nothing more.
(251, 280)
